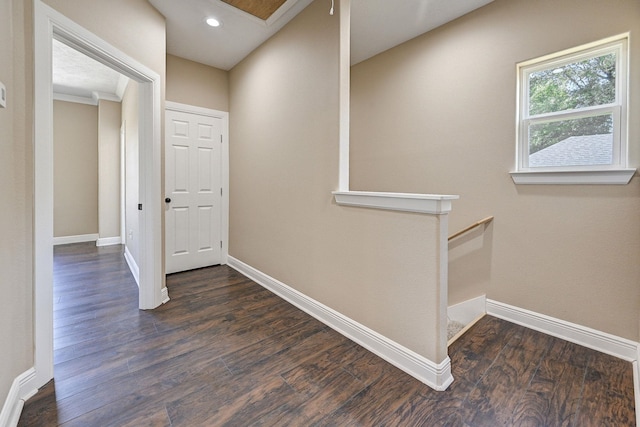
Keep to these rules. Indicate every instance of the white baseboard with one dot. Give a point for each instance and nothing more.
(164, 295)
(636, 384)
(14, 402)
(133, 266)
(468, 311)
(64, 240)
(28, 387)
(435, 375)
(109, 241)
(601, 341)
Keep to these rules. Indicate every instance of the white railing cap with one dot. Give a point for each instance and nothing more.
(435, 204)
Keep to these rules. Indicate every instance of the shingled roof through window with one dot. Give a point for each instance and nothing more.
(576, 151)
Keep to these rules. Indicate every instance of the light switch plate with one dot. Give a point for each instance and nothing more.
(3, 96)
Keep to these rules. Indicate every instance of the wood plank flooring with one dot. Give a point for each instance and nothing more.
(224, 351)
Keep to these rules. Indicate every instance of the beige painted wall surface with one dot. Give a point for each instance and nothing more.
(109, 120)
(75, 169)
(197, 84)
(16, 335)
(370, 265)
(130, 104)
(437, 114)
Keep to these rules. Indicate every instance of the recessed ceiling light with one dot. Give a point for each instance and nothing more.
(213, 22)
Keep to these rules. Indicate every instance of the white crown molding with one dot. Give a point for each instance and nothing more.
(123, 82)
(57, 96)
(435, 375)
(105, 96)
(434, 204)
(578, 334)
(95, 98)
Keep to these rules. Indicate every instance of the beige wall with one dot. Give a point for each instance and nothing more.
(16, 336)
(372, 266)
(75, 169)
(109, 120)
(437, 114)
(197, 84)
(130, 104)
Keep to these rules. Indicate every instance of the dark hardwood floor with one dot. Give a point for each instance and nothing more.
(224, 351)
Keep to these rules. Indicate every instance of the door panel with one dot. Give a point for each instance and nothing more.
(205, 236)
(193, 183)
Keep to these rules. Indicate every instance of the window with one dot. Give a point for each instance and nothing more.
(572, 116)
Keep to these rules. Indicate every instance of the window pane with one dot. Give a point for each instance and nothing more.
(587, 83)
(575, 142)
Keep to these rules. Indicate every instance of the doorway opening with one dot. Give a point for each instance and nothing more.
(50, 24)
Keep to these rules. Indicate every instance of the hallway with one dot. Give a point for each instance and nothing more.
(224, 351)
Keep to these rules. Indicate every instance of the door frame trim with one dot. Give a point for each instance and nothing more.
(49, 23)
(224, 158)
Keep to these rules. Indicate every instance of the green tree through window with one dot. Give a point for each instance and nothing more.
(587, 83)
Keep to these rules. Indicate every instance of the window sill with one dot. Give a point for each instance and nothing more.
(408, 202)
(606, 177)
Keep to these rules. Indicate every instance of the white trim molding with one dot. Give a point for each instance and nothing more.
(469, 310)
(186, 108)
(435, 204)
(603, 177)
(81, 238)
(13, 404)
(109, 241)
(165, 295)
(57, 96)
(615, 171)
(133, 266)
(98, 96)
(636, 384)
(578, 334)
(435, 375)
(344, 101)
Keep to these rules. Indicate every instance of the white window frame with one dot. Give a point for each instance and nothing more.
(616, 173)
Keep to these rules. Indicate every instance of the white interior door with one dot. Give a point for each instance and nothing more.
(193, 190)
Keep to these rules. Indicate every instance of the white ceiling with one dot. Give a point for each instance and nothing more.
(376, 26)
(379, 25)
(76, 77)
(188, 36)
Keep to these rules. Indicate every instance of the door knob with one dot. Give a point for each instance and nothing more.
(167, 200)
